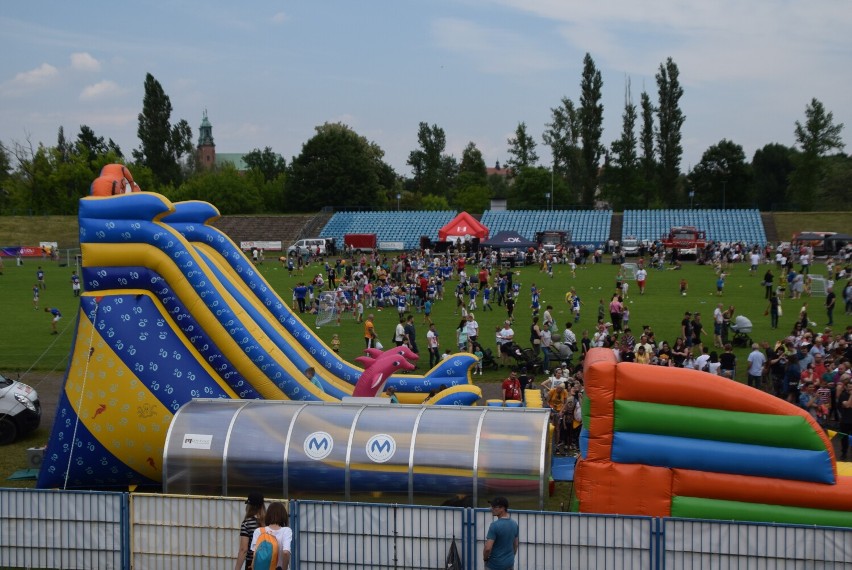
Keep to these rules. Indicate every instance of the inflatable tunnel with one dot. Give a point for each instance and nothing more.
(351, 451)
(684, 443)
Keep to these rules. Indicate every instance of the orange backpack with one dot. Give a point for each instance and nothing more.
(265, 551)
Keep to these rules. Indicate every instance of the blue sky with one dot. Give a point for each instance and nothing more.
(269, 72)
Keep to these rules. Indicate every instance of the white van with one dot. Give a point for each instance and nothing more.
(303, 246)
(20, 411)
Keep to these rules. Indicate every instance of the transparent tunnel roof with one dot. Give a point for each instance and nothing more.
(362, 452)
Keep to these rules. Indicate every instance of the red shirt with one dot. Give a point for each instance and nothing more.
(511, 389)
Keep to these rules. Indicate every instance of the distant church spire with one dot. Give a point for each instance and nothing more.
(206, 150)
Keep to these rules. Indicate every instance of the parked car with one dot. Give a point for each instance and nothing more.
(630, 246)
(308, 245)
(20, 411)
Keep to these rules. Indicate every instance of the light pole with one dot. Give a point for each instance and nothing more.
(724, 191)
(547, 199)
(398, 196)
(552, 171)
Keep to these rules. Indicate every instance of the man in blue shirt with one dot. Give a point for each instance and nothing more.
(501, 542)
(56, 316)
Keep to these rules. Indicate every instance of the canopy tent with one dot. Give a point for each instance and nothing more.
(508, 239)
(462, 225)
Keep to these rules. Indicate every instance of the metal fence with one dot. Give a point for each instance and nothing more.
(86, 530)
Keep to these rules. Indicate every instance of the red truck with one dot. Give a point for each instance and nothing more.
(689, 240)
(360, 243)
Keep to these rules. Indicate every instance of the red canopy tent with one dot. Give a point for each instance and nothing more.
(463, 225)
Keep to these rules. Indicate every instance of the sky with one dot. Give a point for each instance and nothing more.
(268, 73)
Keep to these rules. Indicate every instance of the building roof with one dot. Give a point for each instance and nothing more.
(235, 158)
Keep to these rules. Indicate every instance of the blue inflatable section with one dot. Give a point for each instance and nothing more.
(722, 457)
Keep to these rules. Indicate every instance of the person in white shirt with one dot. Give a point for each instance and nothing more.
(505, 338)
(641, 276)
(702, 360)
(755, 261)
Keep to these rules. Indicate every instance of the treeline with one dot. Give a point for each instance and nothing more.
(339, 168)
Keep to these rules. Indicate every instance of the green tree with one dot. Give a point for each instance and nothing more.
(530, 188)
(472, 192)
(837, 183)
(521, 149)
(270, 164)
(621, 174)
(562, 136)
(772, 166)
(434, 171)
(816, 137)
(224, 187)
(162, 144)
(434, 203)
(472, 169)
(670, 120)
(337, 167)
(5, 178)
(723, 177)
(591, 128)
(498, 186)
(648, 162)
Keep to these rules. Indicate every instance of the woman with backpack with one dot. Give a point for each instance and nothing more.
(271, 543)
(255, 513)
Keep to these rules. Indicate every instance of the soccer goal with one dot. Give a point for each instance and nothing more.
(327, 311)
(628, 271)
(818, 285)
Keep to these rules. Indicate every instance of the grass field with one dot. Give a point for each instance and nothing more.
(27, 343)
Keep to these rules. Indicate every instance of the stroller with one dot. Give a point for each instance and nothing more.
(525, 358)
(741, 327)
(488, 360)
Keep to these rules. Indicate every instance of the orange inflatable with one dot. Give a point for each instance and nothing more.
(114, 179)
(673, 442)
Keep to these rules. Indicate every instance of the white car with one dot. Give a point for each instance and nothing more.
(20, 411)
(630, 246)
(308, 245)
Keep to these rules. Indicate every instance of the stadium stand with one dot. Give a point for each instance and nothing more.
(725, 226)
(587, 227)
(264, 228)
(405, 227)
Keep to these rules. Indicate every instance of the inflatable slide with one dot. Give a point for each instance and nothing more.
(684, 443)
(173, 311)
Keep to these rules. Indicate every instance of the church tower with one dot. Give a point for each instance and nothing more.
(206, 150)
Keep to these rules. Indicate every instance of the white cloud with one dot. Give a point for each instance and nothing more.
(280, 17)
(495, 51)
(41, 75)
(83, 61)
(100, 90)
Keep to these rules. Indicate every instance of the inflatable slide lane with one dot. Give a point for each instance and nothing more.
(685, 443)
(163, 321)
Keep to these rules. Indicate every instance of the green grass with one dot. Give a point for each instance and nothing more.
(789, 223)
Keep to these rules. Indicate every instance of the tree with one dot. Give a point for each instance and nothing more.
(269, 164)
(648, 161)
(562, 136)
(231, 192)
(591, 128)
(722, 177)
(772, 166)
(162, 145)
(670, 120)
(337, 167)
(472, 169)
(816, 137)
(472, 191)
(621, 172)
(521, 149)
(434, 172)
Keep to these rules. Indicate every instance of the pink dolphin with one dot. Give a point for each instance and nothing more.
(377, 371)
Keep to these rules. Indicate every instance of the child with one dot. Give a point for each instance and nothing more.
(479, 355)
(683, 287)
(427, 312)
(472, 294)
(359, 312)
(625, 317)
(36, 291)
(486, 299)
(720, 284)
(446, 354)
(335, 343)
